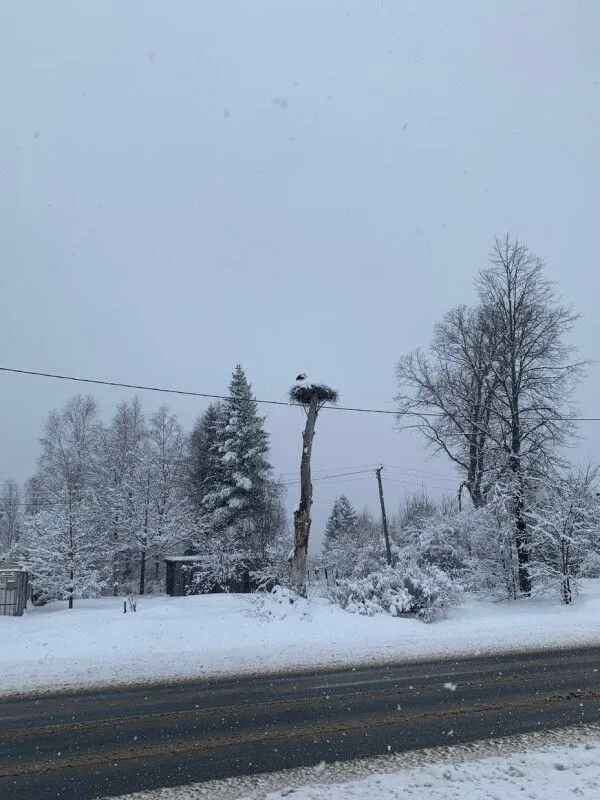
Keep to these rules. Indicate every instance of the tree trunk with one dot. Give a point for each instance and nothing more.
(567, 596)
(143, 572)
(522, 548)
(71, 555)
(143, 559)
(115, 566)
(521, 532)
(302, 513)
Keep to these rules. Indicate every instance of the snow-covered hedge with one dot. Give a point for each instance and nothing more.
(403, 589)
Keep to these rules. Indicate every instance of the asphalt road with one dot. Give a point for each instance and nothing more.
(97, 743)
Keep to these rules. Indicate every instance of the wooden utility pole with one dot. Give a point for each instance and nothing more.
(388, 549)
(302, 513)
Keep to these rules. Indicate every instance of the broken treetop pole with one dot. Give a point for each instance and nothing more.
(312, 397)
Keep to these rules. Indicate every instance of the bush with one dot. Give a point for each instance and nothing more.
(422, 590)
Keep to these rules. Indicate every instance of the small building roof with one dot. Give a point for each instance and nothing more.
(182, 558)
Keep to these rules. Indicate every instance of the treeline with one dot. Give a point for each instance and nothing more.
(108, 501)
(439, 552)
(492, 394)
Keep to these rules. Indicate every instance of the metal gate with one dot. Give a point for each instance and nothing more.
(13, 592)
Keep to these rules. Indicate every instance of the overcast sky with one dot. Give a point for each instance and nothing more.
(289, 185)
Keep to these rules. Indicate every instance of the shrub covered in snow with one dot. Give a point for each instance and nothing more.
(277, 604)
(422, 590)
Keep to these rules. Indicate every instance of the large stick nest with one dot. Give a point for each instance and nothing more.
(304, 393)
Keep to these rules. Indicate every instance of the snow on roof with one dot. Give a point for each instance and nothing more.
(182, 558)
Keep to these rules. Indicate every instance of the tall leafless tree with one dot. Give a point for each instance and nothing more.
(494, 393)
(448, 395)
(533, 372)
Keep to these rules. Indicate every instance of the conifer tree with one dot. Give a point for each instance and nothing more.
(203, 458)
(340, 542)
(236, 507)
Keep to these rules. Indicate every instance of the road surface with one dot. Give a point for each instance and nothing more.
(92, 744)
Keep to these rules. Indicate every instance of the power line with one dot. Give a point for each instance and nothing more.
(329, 477)
(418, 485)
(117, 384)
(185, 392)
(206, 395)
(417, 473)
(319, 470)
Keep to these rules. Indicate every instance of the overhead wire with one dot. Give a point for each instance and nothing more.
(329, 477)
(418, 485)
(210, 396)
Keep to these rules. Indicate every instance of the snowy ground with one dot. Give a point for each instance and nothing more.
(552, 765)
(171, 638)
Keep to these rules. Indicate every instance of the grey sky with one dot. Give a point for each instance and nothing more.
(291, 185)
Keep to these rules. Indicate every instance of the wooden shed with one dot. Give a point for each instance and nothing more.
(179, 575)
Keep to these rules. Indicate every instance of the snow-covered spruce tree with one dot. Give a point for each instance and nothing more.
(61, 543)
(235, 523)
(340, 540)
(203, 459)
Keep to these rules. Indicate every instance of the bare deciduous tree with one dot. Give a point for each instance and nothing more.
(448, 396)
(493, 394)
(533, 373)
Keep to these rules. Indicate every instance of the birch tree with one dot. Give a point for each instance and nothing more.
(61, 542)
(166, 517)
(10, 515)
(120, 489)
